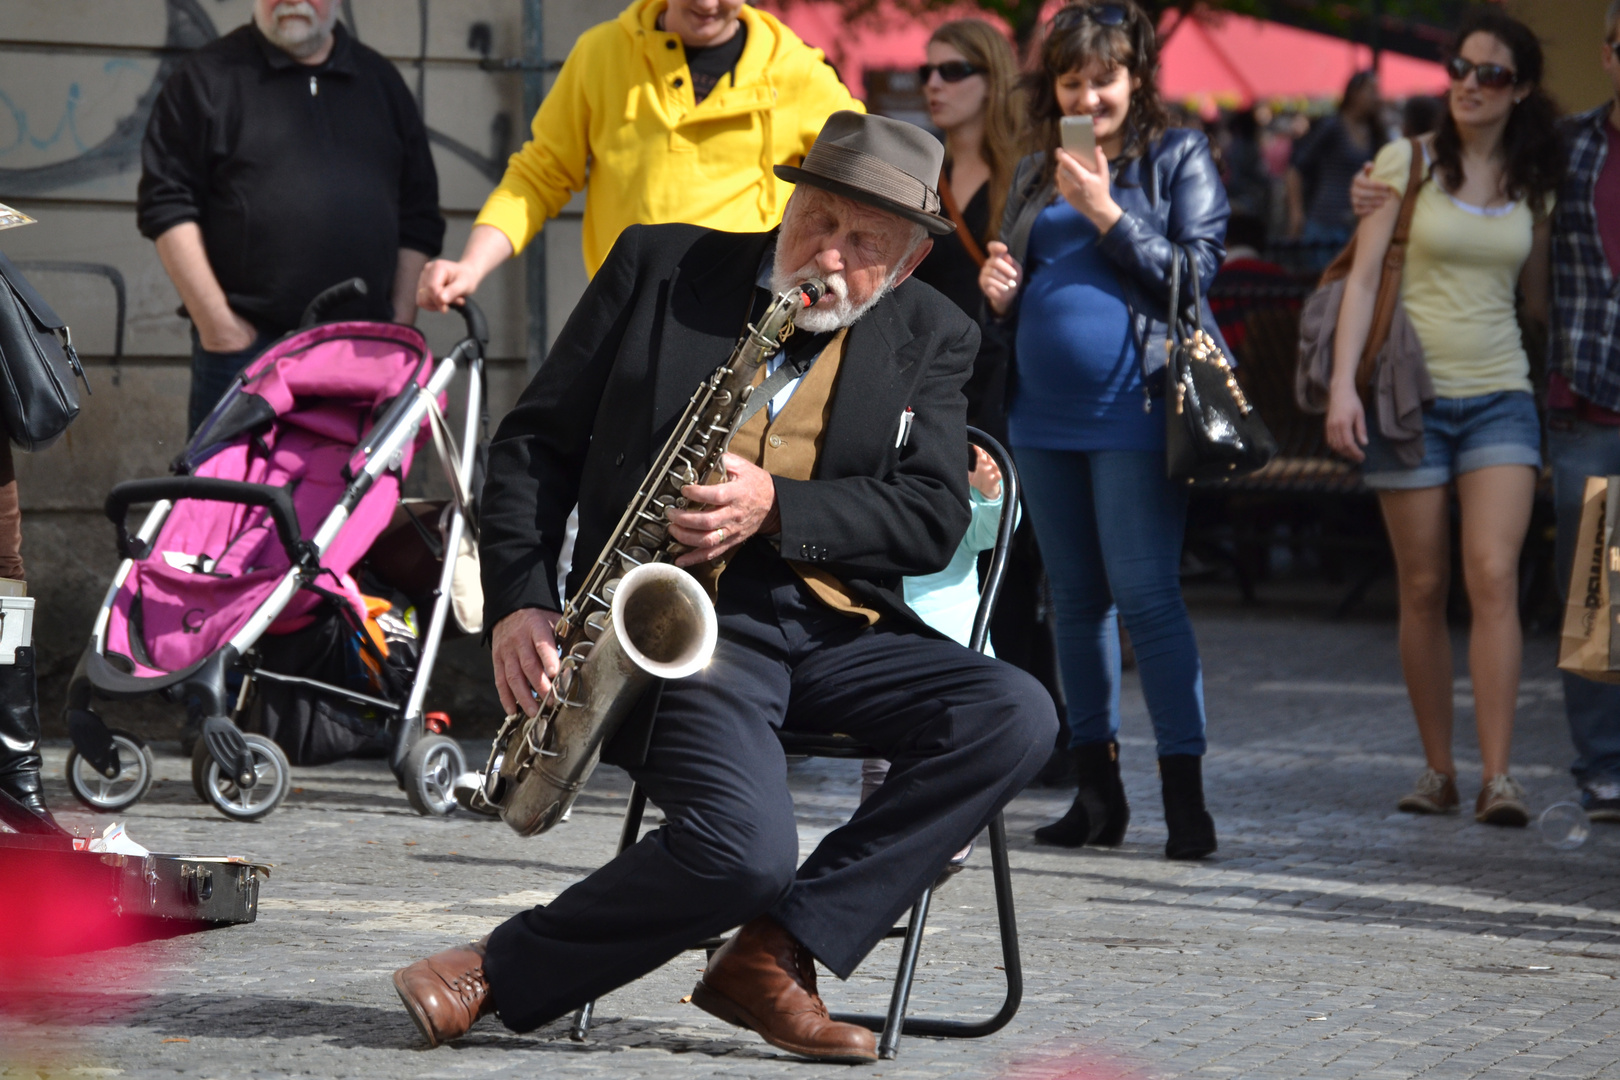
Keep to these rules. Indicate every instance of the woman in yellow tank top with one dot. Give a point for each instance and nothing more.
(1479, 236)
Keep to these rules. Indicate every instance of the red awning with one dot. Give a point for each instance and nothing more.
(1211, 59)
(1236, 61)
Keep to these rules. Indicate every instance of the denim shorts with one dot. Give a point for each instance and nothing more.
(1459, 436)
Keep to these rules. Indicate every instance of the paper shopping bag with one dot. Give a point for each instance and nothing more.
(1590, 646)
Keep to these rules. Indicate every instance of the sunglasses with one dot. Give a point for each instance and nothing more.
(1489, 76)
(1101, 14)
(952, 71)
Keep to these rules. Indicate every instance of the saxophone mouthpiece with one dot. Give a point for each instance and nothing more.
(812, 291)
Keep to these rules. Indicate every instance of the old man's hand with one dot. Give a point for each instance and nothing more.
(725, 515)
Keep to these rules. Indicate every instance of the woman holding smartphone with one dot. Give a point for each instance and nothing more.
(1479, 241)
(1080, 283)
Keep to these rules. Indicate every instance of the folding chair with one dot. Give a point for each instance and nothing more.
(895, 1022)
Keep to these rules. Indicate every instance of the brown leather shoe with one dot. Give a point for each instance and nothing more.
(446, 993)
(764, 980)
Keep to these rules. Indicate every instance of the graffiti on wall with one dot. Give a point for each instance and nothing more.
(188, 26)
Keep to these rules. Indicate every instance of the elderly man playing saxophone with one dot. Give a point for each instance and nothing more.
(849, 480)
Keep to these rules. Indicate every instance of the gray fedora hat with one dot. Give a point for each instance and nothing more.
(885, 163)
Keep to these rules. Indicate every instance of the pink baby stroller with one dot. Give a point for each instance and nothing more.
(277, 498)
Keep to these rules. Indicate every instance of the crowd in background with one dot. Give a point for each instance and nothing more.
(1074, 284)
(1063, 255)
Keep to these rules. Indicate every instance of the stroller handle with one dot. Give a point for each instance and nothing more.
(274, 499)
(330, 298)
(473, 316)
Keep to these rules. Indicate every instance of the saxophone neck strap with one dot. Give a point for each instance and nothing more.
(800, 352)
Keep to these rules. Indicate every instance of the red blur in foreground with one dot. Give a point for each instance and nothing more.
(1086, 1064)
(59, 903)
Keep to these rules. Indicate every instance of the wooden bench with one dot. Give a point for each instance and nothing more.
(1307, 497)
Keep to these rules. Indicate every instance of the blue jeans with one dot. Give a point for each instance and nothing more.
(212, 374)
(1110, 527)
(1579, 450)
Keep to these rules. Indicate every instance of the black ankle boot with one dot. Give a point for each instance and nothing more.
(1060, 770)
(1192, 830)
(19, 734)
(1100, 813)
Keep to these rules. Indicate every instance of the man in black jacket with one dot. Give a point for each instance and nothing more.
(863, 482)
(280, 160)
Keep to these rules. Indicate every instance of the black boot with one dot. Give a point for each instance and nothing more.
(1060, 770)
(19, 734)
(1192, 830)
(1100, 813)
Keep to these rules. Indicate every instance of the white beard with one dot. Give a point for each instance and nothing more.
(824, 320)
(298, 39)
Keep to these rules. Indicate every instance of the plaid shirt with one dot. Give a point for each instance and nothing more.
(1586, 303)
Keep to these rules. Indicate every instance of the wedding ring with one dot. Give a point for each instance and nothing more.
(719, 536)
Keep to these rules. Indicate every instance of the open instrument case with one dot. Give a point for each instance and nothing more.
(153, 895)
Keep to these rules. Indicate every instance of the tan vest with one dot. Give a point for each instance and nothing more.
(789, 445)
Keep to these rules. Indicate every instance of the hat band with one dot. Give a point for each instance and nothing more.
(870, 173)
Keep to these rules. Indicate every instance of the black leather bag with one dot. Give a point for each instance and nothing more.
(1212, 432)
(39, 396)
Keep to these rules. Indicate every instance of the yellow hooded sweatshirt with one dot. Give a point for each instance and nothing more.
(621, 122)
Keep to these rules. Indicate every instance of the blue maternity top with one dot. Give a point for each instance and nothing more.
(1079, 370)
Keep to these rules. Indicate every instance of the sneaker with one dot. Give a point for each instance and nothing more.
(1501, 802)
(1601, 801)
(1435, 793)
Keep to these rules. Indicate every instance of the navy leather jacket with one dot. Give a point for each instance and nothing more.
(1171, 195)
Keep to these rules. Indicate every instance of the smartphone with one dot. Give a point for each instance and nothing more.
(1080, 138)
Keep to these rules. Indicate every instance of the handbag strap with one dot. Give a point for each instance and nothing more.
(1178, 326)
(948, 199)
(444, 444)
(1389, 279)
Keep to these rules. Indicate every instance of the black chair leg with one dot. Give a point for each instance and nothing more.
(1001, 873)
(889, 1044)
(629, 833)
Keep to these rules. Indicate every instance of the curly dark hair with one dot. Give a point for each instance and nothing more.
(1074, 41)
(1531, 148)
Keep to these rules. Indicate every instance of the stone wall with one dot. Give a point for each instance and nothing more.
(77, 80)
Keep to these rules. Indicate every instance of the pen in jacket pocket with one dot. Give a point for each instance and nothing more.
(905, 427)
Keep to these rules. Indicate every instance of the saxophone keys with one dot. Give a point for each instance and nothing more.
(596, 624)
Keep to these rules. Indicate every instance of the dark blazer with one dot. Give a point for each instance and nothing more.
(1171, 195)
(662, 313)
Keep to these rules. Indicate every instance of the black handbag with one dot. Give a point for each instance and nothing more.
(1212, 432)
(38, 365)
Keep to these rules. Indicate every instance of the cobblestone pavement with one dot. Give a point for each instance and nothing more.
(1330, 937)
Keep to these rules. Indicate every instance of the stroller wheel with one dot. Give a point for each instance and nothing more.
(112, 794)
(431, 769)
(245, 804)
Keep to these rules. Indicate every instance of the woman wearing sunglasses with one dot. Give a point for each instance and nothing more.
(969, 81)
(1080, 279)
(1479, 235)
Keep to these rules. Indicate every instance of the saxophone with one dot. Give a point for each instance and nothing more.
(636, 616)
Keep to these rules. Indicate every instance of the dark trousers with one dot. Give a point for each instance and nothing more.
(965, 734)
(212, 374)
